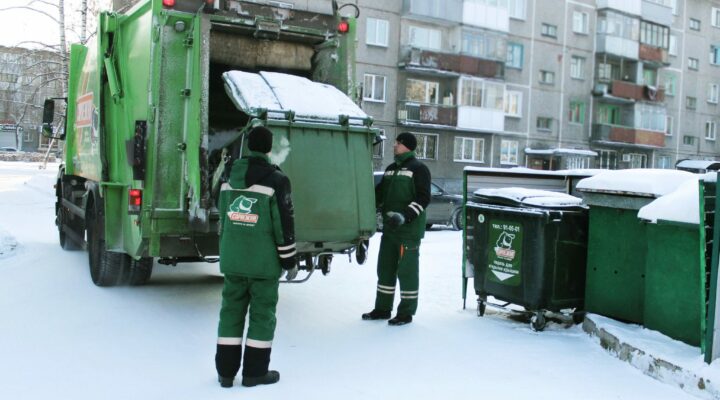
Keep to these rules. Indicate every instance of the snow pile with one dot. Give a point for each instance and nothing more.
(681, 205)
(531, 197)
(284, 92)
(643, 182)
(8, 244)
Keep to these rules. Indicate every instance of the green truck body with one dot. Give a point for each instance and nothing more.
(149, 128)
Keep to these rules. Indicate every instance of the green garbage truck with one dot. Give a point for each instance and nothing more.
(158, 105)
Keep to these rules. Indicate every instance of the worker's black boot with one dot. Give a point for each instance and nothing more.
(400, 320)
(227, 363)
(375, 315)
(255, 367)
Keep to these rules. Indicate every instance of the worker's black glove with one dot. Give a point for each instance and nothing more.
(289, 265)
(395, 219)
(291, 273)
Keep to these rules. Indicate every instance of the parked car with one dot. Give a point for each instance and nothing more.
(444, 208)
(8, 149)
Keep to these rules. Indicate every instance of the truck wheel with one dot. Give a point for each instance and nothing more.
(140, 271)
(537, 321)
(106, 268)
(457, 219)
(361, 251)
(63, 218)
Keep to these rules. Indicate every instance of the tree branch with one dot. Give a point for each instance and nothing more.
(31, 9)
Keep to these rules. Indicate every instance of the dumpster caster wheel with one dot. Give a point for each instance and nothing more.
(481, 308)
(537, 321)
(361, 252)
(324, 263)
(578, 317)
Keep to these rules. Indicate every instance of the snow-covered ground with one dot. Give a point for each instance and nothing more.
(63, 338)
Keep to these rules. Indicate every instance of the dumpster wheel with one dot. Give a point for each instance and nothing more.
(481, 308)
(361, 251)
(537, 321)
(324, 263)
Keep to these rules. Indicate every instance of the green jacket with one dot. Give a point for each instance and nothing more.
(405, 188)
(257, 219)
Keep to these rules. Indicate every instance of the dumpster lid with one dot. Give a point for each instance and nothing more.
(681, 205)
(274, 91)
(636, 182)
(529, 197)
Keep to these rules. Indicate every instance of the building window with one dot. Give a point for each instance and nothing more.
(27, 136)
(663, 162)
(669, 84)
(426, 146)
(509, 152)
(713, 93)
(654, 35)
(714, 55)
(577, 67)
(577, 162)
(608, 159)
(672, 45)
(608, 72)
(549, 30)
(425, 38)
(688, 140)
(710, 130)
(514, 56)
(484, 45)
(618, 25)
(469, 150)
(580, 22)
(513, 103)
(652, 118)
(576, 113)
(422, 91)
(635, 160)
(650, 77)
(374, 88)
(668, 125)
(608, 114)
(715, 17)
(379, 148)
(377, 32)
(482, 93)
(693, 63)
(690, 102)
(547, 77)
(517, 9)
(694, 24)
(544, 124)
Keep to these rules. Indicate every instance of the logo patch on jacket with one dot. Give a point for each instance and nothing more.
(241, 210)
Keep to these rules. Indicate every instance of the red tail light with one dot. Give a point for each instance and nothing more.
(169, 3)
(134, 201)
(343, 26)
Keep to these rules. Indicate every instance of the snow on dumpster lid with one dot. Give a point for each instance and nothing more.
(681, 205)
(643, 182)
(284, 92)
(532, 197)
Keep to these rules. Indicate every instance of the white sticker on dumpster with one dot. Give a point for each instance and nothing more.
(505, 256)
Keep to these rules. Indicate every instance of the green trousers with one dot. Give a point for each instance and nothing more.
(259, 297)
(398, 260)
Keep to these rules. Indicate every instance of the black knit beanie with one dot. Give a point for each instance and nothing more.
(407, 139)
(260, 139)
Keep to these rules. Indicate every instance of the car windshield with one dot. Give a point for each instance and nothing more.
(435, 189)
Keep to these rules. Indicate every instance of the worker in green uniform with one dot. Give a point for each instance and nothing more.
(402, 195)
(257, 242)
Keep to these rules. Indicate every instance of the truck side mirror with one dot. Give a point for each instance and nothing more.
(48, 116)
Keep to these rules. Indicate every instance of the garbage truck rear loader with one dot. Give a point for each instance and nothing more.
(153, 120)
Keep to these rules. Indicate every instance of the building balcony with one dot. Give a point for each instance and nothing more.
(618, 46)
(483, 15)
(630, 91)
(633, 7)
(447, 10)
(424, 113)
(657, 13)
(655, 55)
(419, 59)
(481, 119)
(627, 135)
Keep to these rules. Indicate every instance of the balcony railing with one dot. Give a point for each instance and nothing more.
(436, 114)
(632, 91)
(654, 54)
(459, 63)
(629, 135)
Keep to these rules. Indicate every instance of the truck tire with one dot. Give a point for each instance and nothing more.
(140, 271)
(64, 219)
(106, 268)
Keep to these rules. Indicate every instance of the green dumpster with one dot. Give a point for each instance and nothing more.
(617, 240)
(674, 301)
(527, 247)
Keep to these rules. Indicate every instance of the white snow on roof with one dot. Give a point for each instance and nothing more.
(524, 170)
(681, 205)
(532, 197)
(276, 91)
(696, 164)
(561, 150)
(646, 182)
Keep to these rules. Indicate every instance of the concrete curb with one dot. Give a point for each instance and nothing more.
(656, 367)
